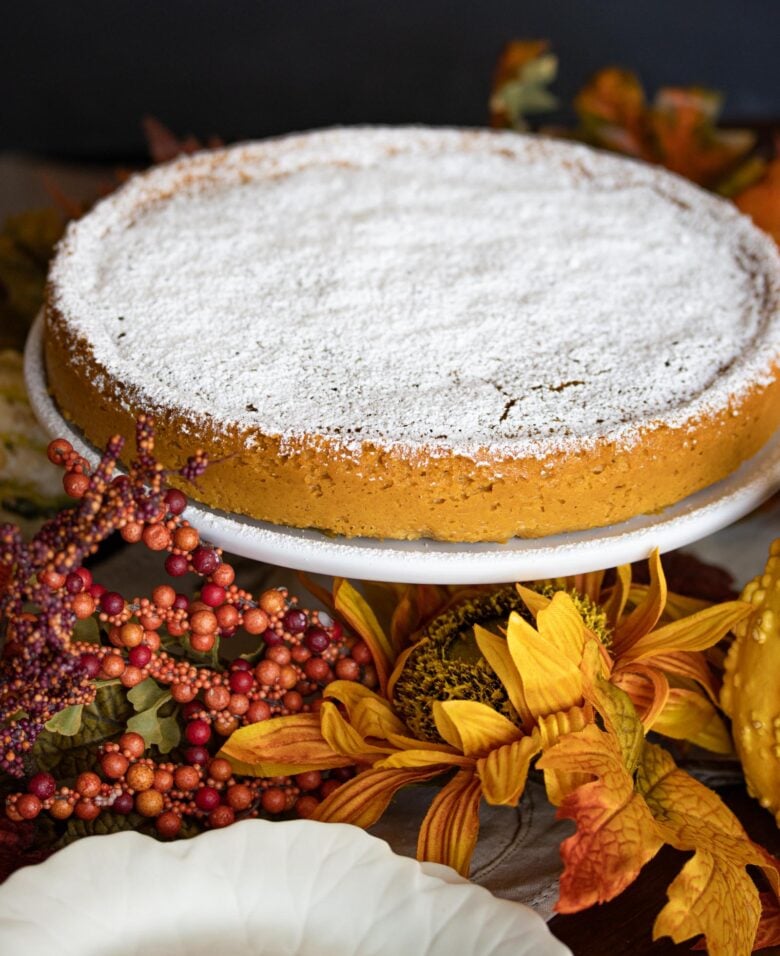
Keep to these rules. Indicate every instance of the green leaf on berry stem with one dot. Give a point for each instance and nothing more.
(162, 732)
(103, 719)
(67, 722)
(87, 630)
(147, 694)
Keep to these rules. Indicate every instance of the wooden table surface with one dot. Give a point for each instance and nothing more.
(620, 927)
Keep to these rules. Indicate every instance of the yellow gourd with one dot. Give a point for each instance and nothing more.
(751, 686)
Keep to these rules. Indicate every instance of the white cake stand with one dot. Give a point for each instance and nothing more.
(439, 562)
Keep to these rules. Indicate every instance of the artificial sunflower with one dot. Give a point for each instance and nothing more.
(495, 678)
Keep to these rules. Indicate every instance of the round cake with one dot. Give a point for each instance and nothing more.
(410, 332)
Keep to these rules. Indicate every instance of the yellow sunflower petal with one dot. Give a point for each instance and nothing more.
(449, 831)
(549, 678)
(646, 615)
(398, 668)
(472, 727)
(688, 715)
(496, 652)
(691, 665)
(357, 612)
(504, 771)
(282, 746)
(363, 799)
(562, 625)
(370, 714)
(343, 738)
(618, 595)
(423, 756)
(694, 633)
(533, 600)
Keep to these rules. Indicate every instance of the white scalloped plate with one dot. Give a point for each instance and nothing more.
(440, 562)
(262, 889)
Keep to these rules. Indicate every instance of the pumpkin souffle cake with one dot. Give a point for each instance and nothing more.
(416, 332)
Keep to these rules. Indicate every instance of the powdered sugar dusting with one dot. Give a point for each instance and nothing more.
(453, 292)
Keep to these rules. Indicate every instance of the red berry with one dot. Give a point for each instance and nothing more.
(207, 798)
(191, 709)
(347, 669)
(255, 620)
(258, 710)
(205, 560)
(240, 664)
(272, 639)
(274, 800)
(294, 621)
(87, 810)
(317, 640)
(176, 565)
(239, 796)
(75, 484)
(58, 449)
(168, 824)
(181, 602)
(85, 575)
(123, 803)
(74, 583)
(198, 733)
(212, 594)
(90, 663)
(220, 769)
(88, 784)
(196, 755)
(241, 682)
(309, 780)
(133, 743)
(140, 656)
(305, 806)
(96, 591)
(221, 816)
(114, 765)
(112, 603)
(361, 653)
(42, 785)
(175, 500)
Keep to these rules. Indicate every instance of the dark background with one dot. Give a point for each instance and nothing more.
(75, 77)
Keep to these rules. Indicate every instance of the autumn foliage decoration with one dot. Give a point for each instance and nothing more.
(575, 683)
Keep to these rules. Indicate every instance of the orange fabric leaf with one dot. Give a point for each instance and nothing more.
(449, 831)
(282, 746)
(713, 893)
(615, 835)
(612, 110)
(504, 771)
(620, 718)
(363, 799)
(688, 141)
(647, 687)
(762, 201)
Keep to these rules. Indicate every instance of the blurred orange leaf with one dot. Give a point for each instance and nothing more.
(762, 201)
